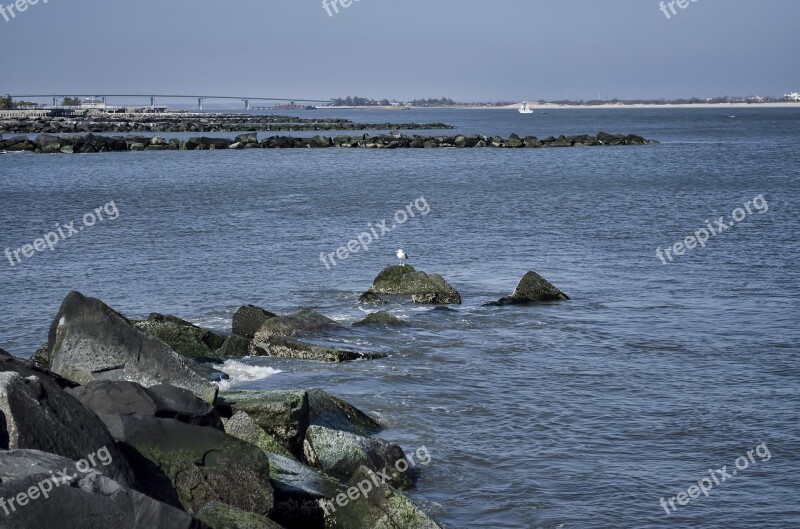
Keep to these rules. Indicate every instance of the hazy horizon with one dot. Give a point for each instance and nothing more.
(481, 52)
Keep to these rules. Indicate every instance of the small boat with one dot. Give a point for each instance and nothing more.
(525, 109)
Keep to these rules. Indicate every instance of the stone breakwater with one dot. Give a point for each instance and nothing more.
(193, 123)
(90, 143)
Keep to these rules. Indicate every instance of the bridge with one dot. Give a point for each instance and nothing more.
(200, 98)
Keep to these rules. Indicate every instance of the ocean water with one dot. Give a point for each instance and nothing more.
(576, 414)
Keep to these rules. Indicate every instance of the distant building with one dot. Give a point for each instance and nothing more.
(793, 96)
(91, 103)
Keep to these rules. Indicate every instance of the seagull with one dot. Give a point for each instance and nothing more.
(402, 256)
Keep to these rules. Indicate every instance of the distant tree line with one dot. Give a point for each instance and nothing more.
(8, 103)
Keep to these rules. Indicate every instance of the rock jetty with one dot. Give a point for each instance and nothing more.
(91, 143)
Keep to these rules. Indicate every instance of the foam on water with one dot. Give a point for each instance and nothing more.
(241, 372)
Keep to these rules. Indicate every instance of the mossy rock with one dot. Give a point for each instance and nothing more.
(183, 337)
(380, 318)
(424, 288)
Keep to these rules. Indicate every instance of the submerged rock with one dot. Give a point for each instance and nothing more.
(90, 341)
(531, 288)
(424, 288)
(89, 500)
(283, 347)
(36, 414)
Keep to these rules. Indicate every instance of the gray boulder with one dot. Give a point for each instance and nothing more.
(189, 466)
(307, 322)
(532, 288)
(243, 427)
(248, 319)
(234, 346)
(423, 288)
(221, 516)
(84, 500)
(332, 412)
(371, 298)
(283, 347)
(90, 341)
(340, 454)
(299, 489)
(183, 337)
(111, 400)
(36, 414)
(380, 318)
(383, 507)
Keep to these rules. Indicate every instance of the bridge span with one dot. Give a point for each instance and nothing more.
(200, 98)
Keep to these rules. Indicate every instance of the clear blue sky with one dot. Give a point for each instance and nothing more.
(464, 49)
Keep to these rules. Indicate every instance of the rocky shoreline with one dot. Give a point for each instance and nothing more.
(119, 423)
(192, 122)
(90, 143)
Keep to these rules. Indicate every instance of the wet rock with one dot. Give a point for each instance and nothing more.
(90, 500)
(248, 319)
(205, 370)
(380, 318)
(332, 412)
(340, 454)
(283, 347)
(384, 507)
(189, 466)
(306, 322)
(371, 298)
(90, 341)
(38, 415)
(298, 492)
(234, 346)
(111, 400)
(424, 288)
(531, 288)
(184, 338)
(282, 414)
(243, 427)
(221, 516)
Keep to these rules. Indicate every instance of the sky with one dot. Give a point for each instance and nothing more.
(467, 50)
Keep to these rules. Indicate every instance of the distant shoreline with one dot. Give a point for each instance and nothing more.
(551, 106)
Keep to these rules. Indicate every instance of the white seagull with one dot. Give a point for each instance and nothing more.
(402, 256)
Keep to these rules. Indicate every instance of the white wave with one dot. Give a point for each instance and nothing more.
(241, 372)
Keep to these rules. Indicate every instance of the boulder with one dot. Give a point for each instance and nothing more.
(298, 492)
(307, 322)
(27, 368)
(371, 298)
(90, 341)
(382, 508)
(332, 412)
(189, 466)
(283, 347)
(234, 346)
(380, 318)
(282, 414)
(84, 500)
(243, 427)
(249, 137)
(340, 454)
(424, 288)
(184, 338)
(221, 516)
(531, 288)
(111, 400)
(36, 414)
(205, 370)
(248, 319)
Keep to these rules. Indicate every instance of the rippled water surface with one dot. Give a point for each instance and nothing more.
(576, 414)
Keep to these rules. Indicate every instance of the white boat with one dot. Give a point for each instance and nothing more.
(525, 109)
